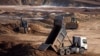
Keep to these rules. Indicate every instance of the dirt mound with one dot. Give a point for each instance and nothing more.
(10, 28)
(29, 50)
(36, 27)
(45, 53)
(7, 28)
(23, 50)
(87, 17)
(41, 26)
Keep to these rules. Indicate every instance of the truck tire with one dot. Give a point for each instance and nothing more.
(81, 50)
(62, 51)
(68, 51)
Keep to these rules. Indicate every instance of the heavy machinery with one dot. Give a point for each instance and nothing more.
(55, 40)
(24, 25)
(73, 24)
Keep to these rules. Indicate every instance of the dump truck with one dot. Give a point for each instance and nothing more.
(55, 40)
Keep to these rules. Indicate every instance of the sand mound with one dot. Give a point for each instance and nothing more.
(29, 50)
(41, 26)
(45, 53)
(6, 28)
(87, 17)
(36, 28)
(11, 28)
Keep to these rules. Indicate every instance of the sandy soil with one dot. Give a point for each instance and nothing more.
(89, 28)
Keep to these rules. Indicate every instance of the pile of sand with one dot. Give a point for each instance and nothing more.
(10, 28)
(6, 28)
(37, 29)
(87, 17)
(41, 26)
(29, 50)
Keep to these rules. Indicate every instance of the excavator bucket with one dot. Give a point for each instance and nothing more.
(56, 37)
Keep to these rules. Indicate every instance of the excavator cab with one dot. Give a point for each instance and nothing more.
(73, 19)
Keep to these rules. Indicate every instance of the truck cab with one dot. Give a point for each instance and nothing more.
(79, 44)
(80, 41)
(83, 42)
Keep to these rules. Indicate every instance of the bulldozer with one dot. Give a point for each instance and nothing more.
(70, 21)
(73, 24)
